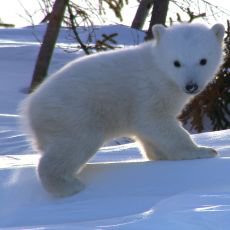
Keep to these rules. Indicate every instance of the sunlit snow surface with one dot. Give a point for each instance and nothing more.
(123, 191)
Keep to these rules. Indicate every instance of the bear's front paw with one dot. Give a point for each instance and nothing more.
(200, 152)
(206, 152)
(197, 153)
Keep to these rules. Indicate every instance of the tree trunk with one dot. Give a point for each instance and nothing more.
(159, 13)
(48, 44)
(141, 14)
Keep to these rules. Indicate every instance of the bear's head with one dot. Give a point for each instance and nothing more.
(189, 54)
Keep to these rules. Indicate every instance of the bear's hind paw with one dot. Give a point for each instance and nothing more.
(61, 186)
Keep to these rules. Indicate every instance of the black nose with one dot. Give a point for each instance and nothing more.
(191, 87)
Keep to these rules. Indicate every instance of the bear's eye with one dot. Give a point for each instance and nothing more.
(203, 61)
(177, 64)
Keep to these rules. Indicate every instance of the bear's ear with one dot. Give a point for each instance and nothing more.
(158, 30)
(218, 30)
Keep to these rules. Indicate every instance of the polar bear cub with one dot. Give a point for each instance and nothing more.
(137, 92)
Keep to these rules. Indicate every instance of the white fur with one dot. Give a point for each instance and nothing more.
(135, 92)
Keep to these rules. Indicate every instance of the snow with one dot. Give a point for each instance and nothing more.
(123, 191)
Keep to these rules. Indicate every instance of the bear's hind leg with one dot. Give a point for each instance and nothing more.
(57, 177)
(60, 163)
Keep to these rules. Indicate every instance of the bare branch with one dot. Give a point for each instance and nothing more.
(73, 27)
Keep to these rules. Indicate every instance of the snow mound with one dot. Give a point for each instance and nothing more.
(123, 192)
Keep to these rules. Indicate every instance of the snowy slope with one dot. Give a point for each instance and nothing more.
(125, 193)
(122, 190)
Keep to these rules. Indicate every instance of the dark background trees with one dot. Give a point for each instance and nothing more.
(48, 44)
(55, 15)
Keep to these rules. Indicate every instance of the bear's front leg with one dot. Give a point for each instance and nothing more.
(167, 140)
